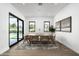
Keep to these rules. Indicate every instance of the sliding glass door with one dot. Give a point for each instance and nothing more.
(20, 29)
(13, 30)
(16, 29)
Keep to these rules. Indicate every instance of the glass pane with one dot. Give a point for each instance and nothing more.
(13, 30)
(20, 29)
(46, 26)
(32, 26)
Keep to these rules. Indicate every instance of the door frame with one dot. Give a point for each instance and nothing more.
(17, 29)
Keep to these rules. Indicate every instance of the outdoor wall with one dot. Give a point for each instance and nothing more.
(39, 23)
(71, 40)
(4, 24)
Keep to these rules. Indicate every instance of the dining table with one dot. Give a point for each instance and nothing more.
(40, 38)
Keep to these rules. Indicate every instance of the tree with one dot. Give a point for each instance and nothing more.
(13, 25)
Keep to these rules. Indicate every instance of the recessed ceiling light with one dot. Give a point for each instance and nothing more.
(40, 4)
(23, 4)
(55, 3)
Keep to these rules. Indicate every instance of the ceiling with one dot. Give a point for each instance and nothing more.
(36, 9)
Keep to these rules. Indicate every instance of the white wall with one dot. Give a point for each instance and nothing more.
(71, 40)
(4, 24)
(39, 23)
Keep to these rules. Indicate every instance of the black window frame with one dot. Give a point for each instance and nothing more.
(17, 29)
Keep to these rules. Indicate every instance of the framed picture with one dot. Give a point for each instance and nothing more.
(66, 24)
(46, 26)
(31, 26)
(57, 26)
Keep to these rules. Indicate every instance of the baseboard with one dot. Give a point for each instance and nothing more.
(69, 47)
(4, 50)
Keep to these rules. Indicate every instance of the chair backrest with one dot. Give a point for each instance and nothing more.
(52, 38)
(44, 38)
(36, 38)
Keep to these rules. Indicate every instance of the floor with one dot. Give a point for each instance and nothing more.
(60, 51)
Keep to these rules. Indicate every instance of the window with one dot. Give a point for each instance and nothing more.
(64, 25)
(58, 26)
(31, 26)
(46, 26)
